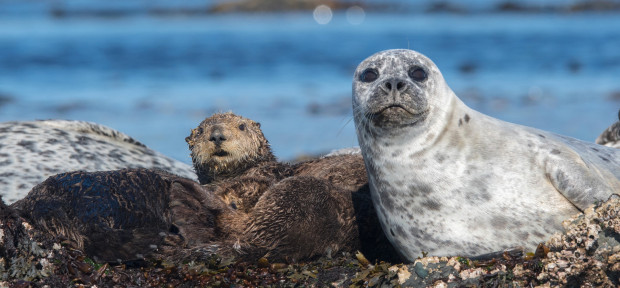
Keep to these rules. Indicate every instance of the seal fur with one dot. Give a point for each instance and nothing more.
(448, 180)
(31, 151)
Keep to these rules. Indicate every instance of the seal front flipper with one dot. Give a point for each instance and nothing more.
(580, 183)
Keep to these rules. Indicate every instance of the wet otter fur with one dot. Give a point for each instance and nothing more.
(298, 211)
(256, 208)
(225, 146)
(348, 173)
(119, 215)
(232, 157)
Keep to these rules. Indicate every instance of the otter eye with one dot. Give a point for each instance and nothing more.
(242, 127)
(417, 74)
(199, 131)
(369, 75)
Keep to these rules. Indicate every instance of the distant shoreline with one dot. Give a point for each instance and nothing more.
(124, 9)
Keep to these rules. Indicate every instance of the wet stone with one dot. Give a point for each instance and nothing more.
(420, 270)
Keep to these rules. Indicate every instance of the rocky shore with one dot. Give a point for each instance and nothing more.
(586, 254)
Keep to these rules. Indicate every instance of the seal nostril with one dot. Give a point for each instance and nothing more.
(394, 84)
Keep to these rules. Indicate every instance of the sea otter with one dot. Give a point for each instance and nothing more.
(249, 205)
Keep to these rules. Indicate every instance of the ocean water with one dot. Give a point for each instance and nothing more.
(155, 78)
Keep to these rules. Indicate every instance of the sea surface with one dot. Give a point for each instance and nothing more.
(155, 78)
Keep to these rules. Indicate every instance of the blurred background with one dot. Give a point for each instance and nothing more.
(154, 69)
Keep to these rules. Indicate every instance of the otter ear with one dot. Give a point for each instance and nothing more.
(191, 134)
(189, 139)
(257, 124)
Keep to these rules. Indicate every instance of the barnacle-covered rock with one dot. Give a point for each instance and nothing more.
(586, 254)
(22, 256)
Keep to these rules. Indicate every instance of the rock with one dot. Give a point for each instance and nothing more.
(586, 254)
(22, 256)
(597, 5)
(446, 7)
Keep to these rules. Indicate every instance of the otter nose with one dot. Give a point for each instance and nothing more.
(394, 84)
(217, 137)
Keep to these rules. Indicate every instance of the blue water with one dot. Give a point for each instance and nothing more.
(155, 78)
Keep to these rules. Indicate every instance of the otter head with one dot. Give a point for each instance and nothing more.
(396, 91)
(226, 145)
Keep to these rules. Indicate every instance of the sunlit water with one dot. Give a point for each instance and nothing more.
(156, 78)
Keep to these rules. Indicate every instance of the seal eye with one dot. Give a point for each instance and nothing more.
(242, 127)
(417, 74)
(369, 75)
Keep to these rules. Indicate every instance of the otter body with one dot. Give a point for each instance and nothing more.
(249, 205)
(119, 215)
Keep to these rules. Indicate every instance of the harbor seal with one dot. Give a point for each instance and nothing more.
(611, 136)
(31, 151)
(448, 180)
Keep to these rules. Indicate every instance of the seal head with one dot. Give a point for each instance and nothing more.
(395, 90)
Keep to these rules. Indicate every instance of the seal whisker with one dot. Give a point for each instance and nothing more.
(344, 125)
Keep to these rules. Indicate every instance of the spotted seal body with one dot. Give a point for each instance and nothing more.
(448, 180)
(31, 151)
